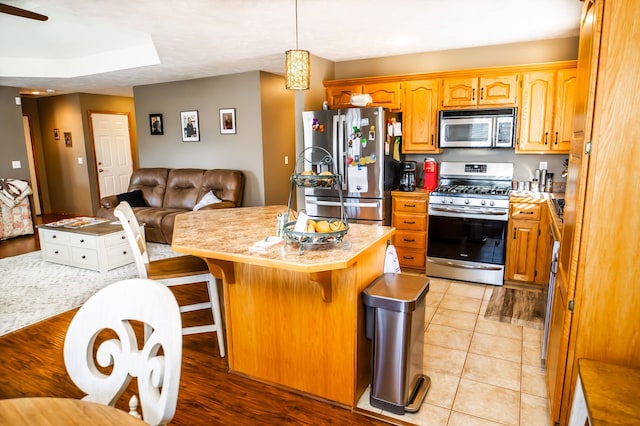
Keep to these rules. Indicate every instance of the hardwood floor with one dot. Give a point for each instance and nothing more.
(32, 365)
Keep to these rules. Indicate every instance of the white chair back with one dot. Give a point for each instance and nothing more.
(113, 308)
(129, 222)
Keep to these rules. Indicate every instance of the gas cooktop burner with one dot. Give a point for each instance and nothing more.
(473, 189)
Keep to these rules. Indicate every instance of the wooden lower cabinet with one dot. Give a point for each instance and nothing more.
(527, 242)
(410, 218)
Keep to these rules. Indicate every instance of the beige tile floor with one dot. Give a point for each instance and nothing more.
(482, 372)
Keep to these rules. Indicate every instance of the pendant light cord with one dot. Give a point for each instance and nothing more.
(296, 24)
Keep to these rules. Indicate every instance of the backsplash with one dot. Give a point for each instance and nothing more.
(524, 164)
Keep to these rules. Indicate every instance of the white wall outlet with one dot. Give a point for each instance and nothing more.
(18, 100)
(286, 159)
(543, 165)
(16, 164)
(80, 160)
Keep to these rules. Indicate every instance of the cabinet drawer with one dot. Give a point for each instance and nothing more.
(84, 258)
(119, 255)
(55, 253)
(83, 241)
(49, 236)
(413, 240)
(410, 205)
(411, 258)
(115, 239)
(410, 222)
(526, 211)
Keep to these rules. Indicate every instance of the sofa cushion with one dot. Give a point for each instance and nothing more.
(208, 199)
(227, 185)
(152, 182)
(134, 198)
(182, 190)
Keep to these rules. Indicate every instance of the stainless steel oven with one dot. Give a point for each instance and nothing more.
(468, 219)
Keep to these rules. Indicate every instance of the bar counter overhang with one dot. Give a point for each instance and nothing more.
(290, 319)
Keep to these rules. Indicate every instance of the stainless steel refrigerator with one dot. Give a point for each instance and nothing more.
(356, 139)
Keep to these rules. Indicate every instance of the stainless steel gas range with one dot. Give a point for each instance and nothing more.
(468, 217)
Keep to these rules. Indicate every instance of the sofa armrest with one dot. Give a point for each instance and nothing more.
(109, 202)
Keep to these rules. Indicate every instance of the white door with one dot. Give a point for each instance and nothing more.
(32, 165)
(113, 152)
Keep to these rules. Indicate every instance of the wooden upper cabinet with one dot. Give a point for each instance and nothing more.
(340, 96)
(480, 91)
(420, 117)
(546, 114)
(457, 92)
(563, 116)
(386, 95)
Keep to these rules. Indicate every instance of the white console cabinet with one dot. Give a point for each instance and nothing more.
(100, 247)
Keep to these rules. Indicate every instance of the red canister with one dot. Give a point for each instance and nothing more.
(430, 174)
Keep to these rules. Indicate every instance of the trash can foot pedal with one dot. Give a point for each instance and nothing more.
(419, 393)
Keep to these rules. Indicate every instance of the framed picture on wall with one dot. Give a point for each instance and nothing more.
(227, 121)
(189, 126)
(56, 134)
(67, 139)
(156, 124)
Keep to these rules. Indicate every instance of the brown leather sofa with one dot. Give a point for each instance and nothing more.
(168, 192)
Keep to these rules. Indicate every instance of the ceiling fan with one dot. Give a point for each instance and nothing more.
(16, 11)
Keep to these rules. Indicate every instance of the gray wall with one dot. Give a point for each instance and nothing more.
(261, 103)
(241, 151)
(12, 142)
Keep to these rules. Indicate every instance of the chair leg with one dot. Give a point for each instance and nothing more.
(215, 309)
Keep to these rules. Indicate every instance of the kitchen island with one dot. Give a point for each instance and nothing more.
(290, 319)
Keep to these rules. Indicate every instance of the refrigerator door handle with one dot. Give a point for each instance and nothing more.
(338, 146)
(346, 203)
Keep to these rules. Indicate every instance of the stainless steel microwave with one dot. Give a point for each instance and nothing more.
(477, 128)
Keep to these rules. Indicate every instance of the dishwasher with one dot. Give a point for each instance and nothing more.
(552, 284)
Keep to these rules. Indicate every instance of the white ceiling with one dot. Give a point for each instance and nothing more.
(85, 43)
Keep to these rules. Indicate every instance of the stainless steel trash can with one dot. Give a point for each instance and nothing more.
(395, 306)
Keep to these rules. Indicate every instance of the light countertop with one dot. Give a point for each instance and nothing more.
(226, 234)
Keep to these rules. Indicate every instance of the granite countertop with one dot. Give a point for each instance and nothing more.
(226, 234)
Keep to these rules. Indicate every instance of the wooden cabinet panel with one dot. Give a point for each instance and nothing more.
(481, 90)
(340, 97)
(410, 217)
(420, 117)
(536, 112)
(501, 90)
(565, 103)
(386, 95)
(528, 256)
(458, 92)
(522, 246)
(546, 113)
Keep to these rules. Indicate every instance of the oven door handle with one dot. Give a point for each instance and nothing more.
(479, 211)
(457, 265)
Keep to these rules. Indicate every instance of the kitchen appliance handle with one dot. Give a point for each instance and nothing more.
(338, 147)
(346, 204)
(457, 265)
(479, 211)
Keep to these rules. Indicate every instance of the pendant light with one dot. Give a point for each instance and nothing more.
(297, 66)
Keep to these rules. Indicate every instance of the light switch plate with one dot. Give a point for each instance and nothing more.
(16, 164)
(543, 165)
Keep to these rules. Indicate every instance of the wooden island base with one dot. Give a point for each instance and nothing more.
(297, 321)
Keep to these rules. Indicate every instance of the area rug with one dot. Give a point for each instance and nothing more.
(517, 306)
(32, 289)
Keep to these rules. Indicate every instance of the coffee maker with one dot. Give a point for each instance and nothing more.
(407, 176)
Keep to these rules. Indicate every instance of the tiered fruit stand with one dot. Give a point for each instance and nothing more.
(315, 169)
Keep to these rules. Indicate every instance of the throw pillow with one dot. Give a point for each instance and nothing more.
(134, 198)
(209, 198)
